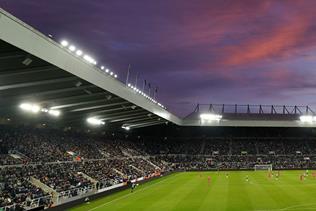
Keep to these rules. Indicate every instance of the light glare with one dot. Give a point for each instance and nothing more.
(54, 112)
(307, 118)
(30, 107)
(79, 52)
(210, 117)
(64, 43)
(95, 121)
(72, 48)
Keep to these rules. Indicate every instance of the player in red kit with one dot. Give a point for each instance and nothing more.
(209, 180)
(269, 174)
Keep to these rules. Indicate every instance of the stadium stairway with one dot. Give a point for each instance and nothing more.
(18, 155)
(88, 177)
(148, 161)
(137, 169)
(45, 188)
(119, 172)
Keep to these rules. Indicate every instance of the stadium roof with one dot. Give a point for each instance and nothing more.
(37, 70)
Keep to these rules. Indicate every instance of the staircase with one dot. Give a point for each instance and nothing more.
(46, 189)
(137, 169)
(94, 181)
(119, 172)
(151, 163)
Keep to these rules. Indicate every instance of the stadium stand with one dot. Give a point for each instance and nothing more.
(44, 167)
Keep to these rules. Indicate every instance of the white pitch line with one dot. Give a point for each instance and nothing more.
(293, 207)
(127, 195)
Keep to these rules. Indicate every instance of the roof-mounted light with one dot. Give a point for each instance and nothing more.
(54, 112)
(307, 118)
(30, 107)
(95, 121)
(64, 43)
(210, 117)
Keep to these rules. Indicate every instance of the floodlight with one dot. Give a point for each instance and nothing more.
(102, 67)
(111, 73)
(30, 107)
(307, 118)
(35, 108)
(126, 127)
(26, 106)
(72, 48)
(210, 117)
(115, 76)
(88, 58)
(54, 112)
(95, 121)
(64, 43)
(45, 110)
(107, 70)
(79, 52)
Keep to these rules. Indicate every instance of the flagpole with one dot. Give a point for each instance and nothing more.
(127, 76)
(136, 79)
(144, 82)
(155, 93)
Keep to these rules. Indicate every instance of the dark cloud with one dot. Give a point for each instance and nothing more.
(203, 51)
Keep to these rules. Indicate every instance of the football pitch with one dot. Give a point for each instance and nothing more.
(192, 191)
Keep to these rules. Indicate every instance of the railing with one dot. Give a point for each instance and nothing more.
(29, 204)
(63, 195)
(253, 109)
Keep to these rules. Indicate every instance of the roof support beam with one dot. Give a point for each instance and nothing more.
(99, 106)
(128, 117)
(114, 114)
(74, 98)
(15, 72)
(141, 119)
(36, 83)
(56, 91)
(146, 124)
(13, 54)
(79, 104)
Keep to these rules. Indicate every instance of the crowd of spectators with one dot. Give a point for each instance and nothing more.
(66, 162)
(16, 188)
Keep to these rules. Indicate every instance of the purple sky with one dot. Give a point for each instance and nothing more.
(245, 52)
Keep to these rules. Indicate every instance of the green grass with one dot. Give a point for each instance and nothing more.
(190, 191)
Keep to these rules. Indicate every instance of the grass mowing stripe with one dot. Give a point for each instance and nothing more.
(182, 185)
(264, 193)
(110, 198)
(216, 196)
(128, 195)
(189, 191)
(189, 201)
(237, 193)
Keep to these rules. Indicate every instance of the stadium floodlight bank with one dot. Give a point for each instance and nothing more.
(263, 167)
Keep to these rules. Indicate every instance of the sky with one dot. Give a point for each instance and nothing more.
(202, 51)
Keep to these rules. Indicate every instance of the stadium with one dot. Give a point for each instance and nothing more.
(75, 135)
